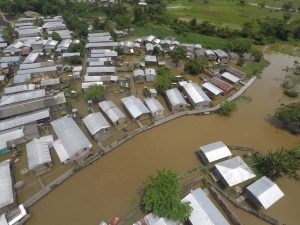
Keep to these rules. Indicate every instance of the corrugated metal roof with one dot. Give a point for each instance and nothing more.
(70, 137)
(50, 82)
(92, 39)
(215, 151)
(150, 58)
(49, 69)
(106, 69)
(134, 106)
(86, 85)
(154, 105)
(221, 54)
(9, 135)
(212, 88)
(6, 188)
(19, 97)
(99, 34)
(3, 220)
(25, 78)
(175, 97)
(151, 219)
(265, 191)
(234, 171)
(24, 119)
(95, 122)
(64, 44)
(35, 65)
(100, 78)
(15, 89)
(204, 212)
(230, 76)
(150, 71)
(102, 45)
(37, 153)
(31, 58)
(111, 110)
(138, 72)
(196, 94)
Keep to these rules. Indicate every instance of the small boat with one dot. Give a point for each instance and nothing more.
(114, 221)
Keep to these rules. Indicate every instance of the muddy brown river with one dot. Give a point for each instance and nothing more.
(111, 186)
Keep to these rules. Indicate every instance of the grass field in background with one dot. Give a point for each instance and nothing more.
(222, 12)
(193, 38)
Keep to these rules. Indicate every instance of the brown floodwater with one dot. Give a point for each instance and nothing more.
(111, 186)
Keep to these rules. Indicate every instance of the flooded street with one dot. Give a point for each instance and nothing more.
(111, 186)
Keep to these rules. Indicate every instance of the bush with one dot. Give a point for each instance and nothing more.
(291, 93)
(74, 60)
(289, 115)
(227, 108)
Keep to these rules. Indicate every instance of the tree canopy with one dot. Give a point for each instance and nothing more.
(289, 115)
(240, 46)
(95, 93)
(197, 66)
(178, 54)
(163, 197)
(227, 108)
(163, 80)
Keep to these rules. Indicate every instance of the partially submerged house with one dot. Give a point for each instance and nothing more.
(156, 109)
(264, 192)
(38, 156)
(226, 87)
(175, 99)
(7, 195)
(135, 107)
(204, 212)
(150, 74)
(115, 115)
(139, 75)
(150, 60)
(97, 125)
(214, 152)
(233, 171)
(71, 144)
(196, 95)
(222, 56)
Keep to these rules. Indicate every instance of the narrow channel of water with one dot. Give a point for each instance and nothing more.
(111, 186)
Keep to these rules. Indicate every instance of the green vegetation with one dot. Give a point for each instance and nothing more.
(95, 93)
(197, 66)
(277, 164)
(240, 46)
(9, 34)
(179, 53)
(290, 93)
(74, 60)
(289, 115)
(227, 108)
(56, 36)
(255, 68)
(163, 80)
(163, 197)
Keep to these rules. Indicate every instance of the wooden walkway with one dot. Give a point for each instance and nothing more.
(205, 111)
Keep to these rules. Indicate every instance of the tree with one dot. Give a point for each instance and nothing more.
(9, 34)
(275, 28)
(288, 6)
(95, 93)
(156, 50)
(289, 115)
(227, 108)
(256, 54)
(56, 36)
(195, 67)
(74, 60)
(163, 197)
(178, 54)
(276, 164)
(240, 46)
(163, 80)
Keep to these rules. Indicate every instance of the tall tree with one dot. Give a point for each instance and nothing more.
(163, 80)
(179, 53)
(95, 93)
(240, 46)
(163, 197)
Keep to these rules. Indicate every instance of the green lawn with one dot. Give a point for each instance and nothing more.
(192, 38)
(221, 12)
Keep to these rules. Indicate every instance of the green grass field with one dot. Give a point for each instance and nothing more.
(193, 38)
(222, 12)
(277, 3)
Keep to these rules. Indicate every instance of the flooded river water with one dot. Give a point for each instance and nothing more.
(111, 186)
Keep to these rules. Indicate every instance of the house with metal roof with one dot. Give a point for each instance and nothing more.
(101, 34)
(151, 219)
(214, 152)
(222, 56)
(54, 102)
(139, 75)
(31, 58)
(264, 192)
(19, 88)
(156, 109)
(175, 100)
(204, 212)
(101, 45)
(99, 71)
(71, 144)
(115, 115)
(22, 79)
(234, 71)
(94, 39)
(97, 125)
(51, 83)
(11, 60)
(35, 65)
(7, 195)
(213, 91)
(38, 71)
(50, 46)
(233, 171)
(35, 32)
(210, 54)
(135, 107)
(196, 95)
(20, 120)
(19, 97)
(150, 60)
(38, 156)
(230, 77)
(64, 45)
(226, 87)
(150, 74)
(3, 220)
(9, 135)
(149, 38)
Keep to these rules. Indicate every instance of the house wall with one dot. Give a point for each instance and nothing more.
(42, 169)
(139, 79)
(150, 77)
(103, 134)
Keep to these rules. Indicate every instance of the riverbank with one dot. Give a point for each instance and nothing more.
(110, 186)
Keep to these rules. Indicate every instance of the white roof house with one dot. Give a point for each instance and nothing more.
(135, 106)
(150, 74)
(204, 212)
(265, 192)
(19, 88)
(150, 59)
(37, 153)
(212, 88)
(214, 151)
(94, 71)
(229, 76)
(234, 171)
(151, 219)
(112, 111)
(9, 135)
(50, 82)
(139, 75)
(6, 185)
(95, 122)
(71, 140)
(196, 95)
(175, 98)
(155, 107)
(13, 98)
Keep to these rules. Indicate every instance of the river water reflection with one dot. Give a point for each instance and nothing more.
(110, 187)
